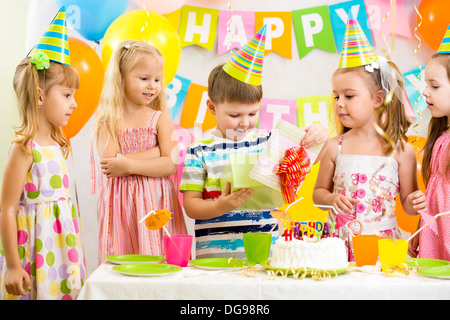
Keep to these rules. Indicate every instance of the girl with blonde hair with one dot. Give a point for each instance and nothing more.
(137, 146)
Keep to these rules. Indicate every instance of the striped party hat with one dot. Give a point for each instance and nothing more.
(54, 42)
(445, 45)
(246, 65)
(356, 49)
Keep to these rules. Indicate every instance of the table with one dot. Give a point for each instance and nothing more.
(195, 284)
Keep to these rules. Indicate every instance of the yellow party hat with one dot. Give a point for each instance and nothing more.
(445, 45)
(356, 49)
(54, 42)
(246, 65)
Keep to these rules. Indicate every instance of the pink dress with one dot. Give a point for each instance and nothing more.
(431, 245)
(124, 201)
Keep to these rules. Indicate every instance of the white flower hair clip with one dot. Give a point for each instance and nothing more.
(127, 46)
(372, 66)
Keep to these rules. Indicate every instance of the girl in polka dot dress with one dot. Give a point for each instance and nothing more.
(42, 255)
(436, 161)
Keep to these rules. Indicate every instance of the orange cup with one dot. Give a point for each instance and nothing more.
(365, 248)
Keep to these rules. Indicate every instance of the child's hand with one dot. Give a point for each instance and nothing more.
(231, 201)
(16, 281)
(417, 201)
(343, 204)
(413, 247)
(114, 167)
(315, 134)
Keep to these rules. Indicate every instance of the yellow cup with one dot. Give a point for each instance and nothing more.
(392, 252)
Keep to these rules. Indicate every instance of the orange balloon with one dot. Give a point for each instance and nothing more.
(91, 72)
(406, 222)
(158, 219)
(435, 20)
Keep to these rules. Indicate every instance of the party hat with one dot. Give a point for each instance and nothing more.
(445, 45)
(356, 49)
(246, 65)
(54, 42)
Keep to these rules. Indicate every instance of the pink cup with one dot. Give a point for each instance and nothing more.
(178, 249)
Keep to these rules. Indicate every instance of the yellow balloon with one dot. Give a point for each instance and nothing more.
(150, 27)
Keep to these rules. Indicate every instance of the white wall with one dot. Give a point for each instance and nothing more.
(282, 78)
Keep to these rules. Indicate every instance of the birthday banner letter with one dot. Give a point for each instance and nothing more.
(316, 109)
(273, 110)
(278, 34)
(198, 26)
(176, 93)
(313, 30)
(195, 110)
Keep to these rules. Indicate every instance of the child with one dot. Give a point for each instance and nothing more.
(137, 148)
(362, 171)
(235, 101)
(436, 160)
(42, 255)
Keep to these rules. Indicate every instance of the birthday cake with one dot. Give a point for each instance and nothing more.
(327, 253)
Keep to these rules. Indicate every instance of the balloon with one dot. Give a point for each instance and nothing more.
(406, 222)
(91, 73)
(185, 139)
(146, 26)
(161, 7)
(91, 18)
(435, 20)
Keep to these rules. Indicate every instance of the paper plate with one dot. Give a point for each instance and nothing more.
(266, 265)
(442, 272)
(425, 263)
(147, 269)
(134, 258)
(219, 263)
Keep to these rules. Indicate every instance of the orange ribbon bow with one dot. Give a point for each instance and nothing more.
(292, 171)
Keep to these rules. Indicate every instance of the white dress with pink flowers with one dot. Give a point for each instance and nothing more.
(356, 176)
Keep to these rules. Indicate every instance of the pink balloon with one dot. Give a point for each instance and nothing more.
(185, 138)
(159, 6)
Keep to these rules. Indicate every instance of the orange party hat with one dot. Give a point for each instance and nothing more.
(356, 49)
(246, 65)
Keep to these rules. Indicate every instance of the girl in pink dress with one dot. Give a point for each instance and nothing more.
(436, 160)
(138, 153)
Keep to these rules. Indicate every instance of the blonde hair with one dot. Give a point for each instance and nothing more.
(109, 114)
(27, 82)
(224, 88)
(436, 126)
(391, 117)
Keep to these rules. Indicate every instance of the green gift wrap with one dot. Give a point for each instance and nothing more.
(237, 170)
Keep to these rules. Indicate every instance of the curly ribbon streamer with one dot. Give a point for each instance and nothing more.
(316, 274)
(292, 170)
(399, 270)
(228, 28)
(387, 52)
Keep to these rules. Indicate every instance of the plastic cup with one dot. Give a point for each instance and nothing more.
(365, 248)
(392, 252)
(178, 249)
(257, 246)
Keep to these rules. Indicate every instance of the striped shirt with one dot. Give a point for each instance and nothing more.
(203, 166)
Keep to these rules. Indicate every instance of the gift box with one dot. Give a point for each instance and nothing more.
(284, 137)
(237, 170)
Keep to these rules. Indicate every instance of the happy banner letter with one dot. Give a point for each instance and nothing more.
(236, 33)
(278, 34)
(313, 30)
(198, 26)
(377, 11)
(273, 110)
(316, 109)
(195, 109)
(339, 16)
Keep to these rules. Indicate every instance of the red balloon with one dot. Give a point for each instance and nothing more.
(435, 20)
(91, 73)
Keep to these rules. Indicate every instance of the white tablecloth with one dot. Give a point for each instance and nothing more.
(196, 284)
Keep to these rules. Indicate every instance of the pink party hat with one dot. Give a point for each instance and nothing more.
(246, 65)
(356, 49)
(445, 45)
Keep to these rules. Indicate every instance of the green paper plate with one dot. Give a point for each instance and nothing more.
(134, 258)
(147, 269)
(442, 272)
(266, 265)
(219, 263)
(426, 263)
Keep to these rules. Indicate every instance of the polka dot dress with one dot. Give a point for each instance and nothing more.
(48, 235)
(432, 245)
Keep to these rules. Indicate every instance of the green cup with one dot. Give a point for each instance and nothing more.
(257, 246)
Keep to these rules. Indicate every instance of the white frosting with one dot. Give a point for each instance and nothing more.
(328, 253)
